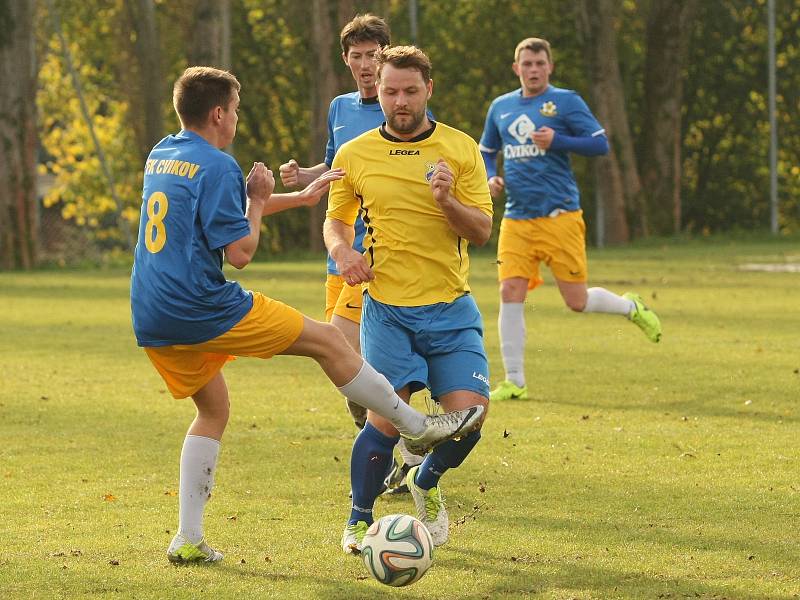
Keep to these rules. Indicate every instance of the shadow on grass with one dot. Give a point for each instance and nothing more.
(529, 576)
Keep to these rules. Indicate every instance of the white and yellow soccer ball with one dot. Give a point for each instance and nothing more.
(397, 550)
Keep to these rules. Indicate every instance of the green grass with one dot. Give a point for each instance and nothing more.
(636, 471)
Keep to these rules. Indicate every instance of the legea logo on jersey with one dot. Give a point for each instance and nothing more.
(429, 168)
(403, 152)
(522, 129)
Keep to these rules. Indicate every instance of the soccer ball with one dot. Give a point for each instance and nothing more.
(397, 550)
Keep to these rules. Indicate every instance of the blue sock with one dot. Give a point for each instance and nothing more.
(369, 463)
(445, 456)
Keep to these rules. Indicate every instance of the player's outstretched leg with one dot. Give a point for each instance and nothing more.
(357, 380)
(644, 318)
(423, 482)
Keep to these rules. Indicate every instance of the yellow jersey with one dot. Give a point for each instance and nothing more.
(415, 256)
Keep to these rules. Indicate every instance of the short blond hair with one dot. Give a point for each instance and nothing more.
(405, 57)
(534, 45)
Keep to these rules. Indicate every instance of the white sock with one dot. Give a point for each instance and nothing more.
(372, 390)
(409, 458)
(511, 324)
(198, 463)
(600, 300)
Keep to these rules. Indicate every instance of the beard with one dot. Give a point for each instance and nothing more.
(406, 124)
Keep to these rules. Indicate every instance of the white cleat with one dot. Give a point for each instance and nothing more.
(440, 428)
(353, 537)
(182, 550)
(430, 508)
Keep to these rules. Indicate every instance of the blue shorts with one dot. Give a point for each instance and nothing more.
(439, 346)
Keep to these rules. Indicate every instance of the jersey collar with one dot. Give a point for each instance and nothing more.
(422, 136)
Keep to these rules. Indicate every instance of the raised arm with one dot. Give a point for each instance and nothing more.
(309, 196)
(260, 184)
(293, 175)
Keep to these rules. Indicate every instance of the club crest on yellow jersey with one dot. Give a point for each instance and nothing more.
(548, 109)
(429, 168)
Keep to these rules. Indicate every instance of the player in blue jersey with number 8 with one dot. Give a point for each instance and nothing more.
(198, 211)
(536, 127)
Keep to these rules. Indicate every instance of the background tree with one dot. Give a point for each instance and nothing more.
(617, 177)
(711, 136)
(668, 29)
(18, 136)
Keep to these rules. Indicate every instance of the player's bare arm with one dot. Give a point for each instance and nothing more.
(309, 196)
(293, 175)
(466, 221)
(260, 184)
(351, 264)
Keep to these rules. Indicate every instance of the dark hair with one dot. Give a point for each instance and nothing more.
(199, 90)
(405, 57)
(364, 28)
(535, 45)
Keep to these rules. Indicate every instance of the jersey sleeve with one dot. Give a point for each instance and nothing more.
(222, 205)
(471, 188)
(580, 120)
(490, 139)
(330, 151)
(342, 201)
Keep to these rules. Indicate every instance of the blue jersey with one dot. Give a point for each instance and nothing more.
(537, 182)
(194, 203)
(348, 118)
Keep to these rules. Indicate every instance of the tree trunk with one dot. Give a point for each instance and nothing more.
(18, 199)
(666, 44)
(323, 89)
(211, 40)
(148, 118)
(616, 173)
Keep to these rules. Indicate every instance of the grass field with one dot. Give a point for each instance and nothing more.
(636, 471)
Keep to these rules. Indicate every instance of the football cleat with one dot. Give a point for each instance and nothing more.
(358, 412)
(353, 536)
(395, 482)
(440, 428)
(182, 550)
(430, 508)
(644, 318)
(508, 390)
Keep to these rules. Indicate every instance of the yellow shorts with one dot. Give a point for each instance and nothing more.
(342, 300)
(558, 241)
(268, 329)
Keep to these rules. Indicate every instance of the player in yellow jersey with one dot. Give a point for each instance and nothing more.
(422, 192)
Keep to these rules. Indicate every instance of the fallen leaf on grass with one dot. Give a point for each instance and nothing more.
(114, 563)
(109, 497)
(470, 515)
(170, 493)
(232, 518)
